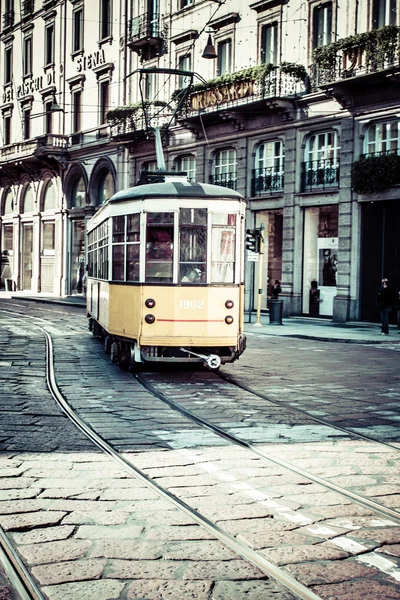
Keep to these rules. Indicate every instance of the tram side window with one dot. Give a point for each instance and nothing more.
(223, 248)
(192, 245)
(159, 247)
(91, 251)
(133, 247)
(102, 259)
(118, 249)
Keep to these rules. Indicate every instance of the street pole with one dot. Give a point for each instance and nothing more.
(260, 264)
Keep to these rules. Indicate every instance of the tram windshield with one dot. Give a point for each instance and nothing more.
(192, 245)
(159, 247)
(223, 244)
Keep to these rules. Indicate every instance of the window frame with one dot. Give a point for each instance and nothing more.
(273, 51)
(8, 64)
(382, 140)
(224, 54)
(105, 19)
(322, 12)
(49, 44)
(27, 56)
(78, 30)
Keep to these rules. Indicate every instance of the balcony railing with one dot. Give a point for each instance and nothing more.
(51, 143)
(228, 180)
(266, 181)
(138, 119)
(361, 54)
(8, 19)
(145, 27)
(28, 7)
(228, 92)
(319, 174)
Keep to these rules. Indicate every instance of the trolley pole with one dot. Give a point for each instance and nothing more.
(260, 265)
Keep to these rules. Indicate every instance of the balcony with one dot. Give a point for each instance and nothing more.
(245, 88)
(8, 19)
(376, 172)
(146, 35)
(51, 145)
(228, 180)
(266, 181)
(370, 53)
(320, 174)
(137, 121)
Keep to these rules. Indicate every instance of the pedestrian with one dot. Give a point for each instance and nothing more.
(385, 300)
(6, 272)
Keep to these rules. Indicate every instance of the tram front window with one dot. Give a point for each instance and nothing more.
(159, 247)
(223, 244)
(193, 245)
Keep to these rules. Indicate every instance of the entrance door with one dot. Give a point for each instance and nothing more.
(380, 254)
(27, 257)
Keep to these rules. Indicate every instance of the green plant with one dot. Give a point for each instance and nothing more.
(373, 174)
(297, 71)
(125, 116)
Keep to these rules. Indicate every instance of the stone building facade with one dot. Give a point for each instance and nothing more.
(294, 104)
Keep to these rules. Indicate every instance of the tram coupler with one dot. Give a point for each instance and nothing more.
(212, 361)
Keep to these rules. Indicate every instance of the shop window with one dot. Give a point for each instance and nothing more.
(186, 164)
(159, 247)
(193, 245)
(48, 237)
(268, 174)
(224, 53)
(27, 200)
(321, 167)
(224, 171)
(269, 44)
(382, 138)
(272, 223)
(384, 13)
(223, 247)
(50, 197)
(320, 260)
(322, 24)
(78, 195)
(8, 238)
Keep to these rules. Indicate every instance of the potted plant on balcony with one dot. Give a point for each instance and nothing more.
(373, 174)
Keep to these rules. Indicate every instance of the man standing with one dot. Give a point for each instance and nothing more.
(385, 300)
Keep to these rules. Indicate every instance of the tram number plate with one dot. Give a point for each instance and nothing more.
(191, 303)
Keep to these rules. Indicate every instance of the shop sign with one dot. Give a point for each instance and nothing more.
(221, 94)
(35, 84)
(90, 61)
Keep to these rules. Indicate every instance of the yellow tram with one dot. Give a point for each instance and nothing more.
(165, 273)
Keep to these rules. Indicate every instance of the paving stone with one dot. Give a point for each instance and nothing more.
(117, 532)
(101, 517)
(146, 569)
(21, 506)
(88, 590)
(129, 493)
(173, 533)
(325, 572)
(169, 590)
(23, 521)
(271, 539)
(47, 534)
(62, 572)
(393, 550)
(129, 549)
(55, 551)
(384, 535)
(296, 554)
(204, 550)
(251, 590)
(359, 590)
(233, 569)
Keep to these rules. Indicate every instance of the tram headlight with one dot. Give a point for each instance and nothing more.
(229, 304)
(229, 319)
(149, 319)
(150, 303)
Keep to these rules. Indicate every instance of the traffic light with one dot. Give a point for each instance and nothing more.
(253, 238)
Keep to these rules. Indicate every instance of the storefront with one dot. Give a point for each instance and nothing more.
(320, 260)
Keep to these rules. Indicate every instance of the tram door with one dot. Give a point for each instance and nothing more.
(27, 257)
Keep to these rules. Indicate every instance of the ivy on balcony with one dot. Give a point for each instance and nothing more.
(379, 46)
(372, 174)
(128, 119)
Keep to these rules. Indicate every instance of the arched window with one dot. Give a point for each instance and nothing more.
(50, 197)
(225, 169)
(383, 138)
(106, 187)
(27, 200)
(321, 166)
(8, 203)
(78, 195)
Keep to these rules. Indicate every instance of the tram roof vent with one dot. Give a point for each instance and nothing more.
(162, 177)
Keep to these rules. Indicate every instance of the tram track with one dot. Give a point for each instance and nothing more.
(238, 546)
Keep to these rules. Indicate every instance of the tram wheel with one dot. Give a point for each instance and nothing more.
(90, 324)
(107, 344)
(114, 352)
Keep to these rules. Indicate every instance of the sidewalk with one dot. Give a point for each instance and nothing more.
(298, 327)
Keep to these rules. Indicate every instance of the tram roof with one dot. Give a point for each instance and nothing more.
(176, 189)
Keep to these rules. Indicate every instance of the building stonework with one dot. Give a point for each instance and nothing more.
(283, 101)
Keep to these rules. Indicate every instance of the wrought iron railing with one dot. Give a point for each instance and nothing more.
(8, 19)
(145, 26)
(319, 174)
(28, 7)
(138, 119)
(228, 180)
(266, 180)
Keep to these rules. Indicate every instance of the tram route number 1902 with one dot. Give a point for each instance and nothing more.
(191, 303)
